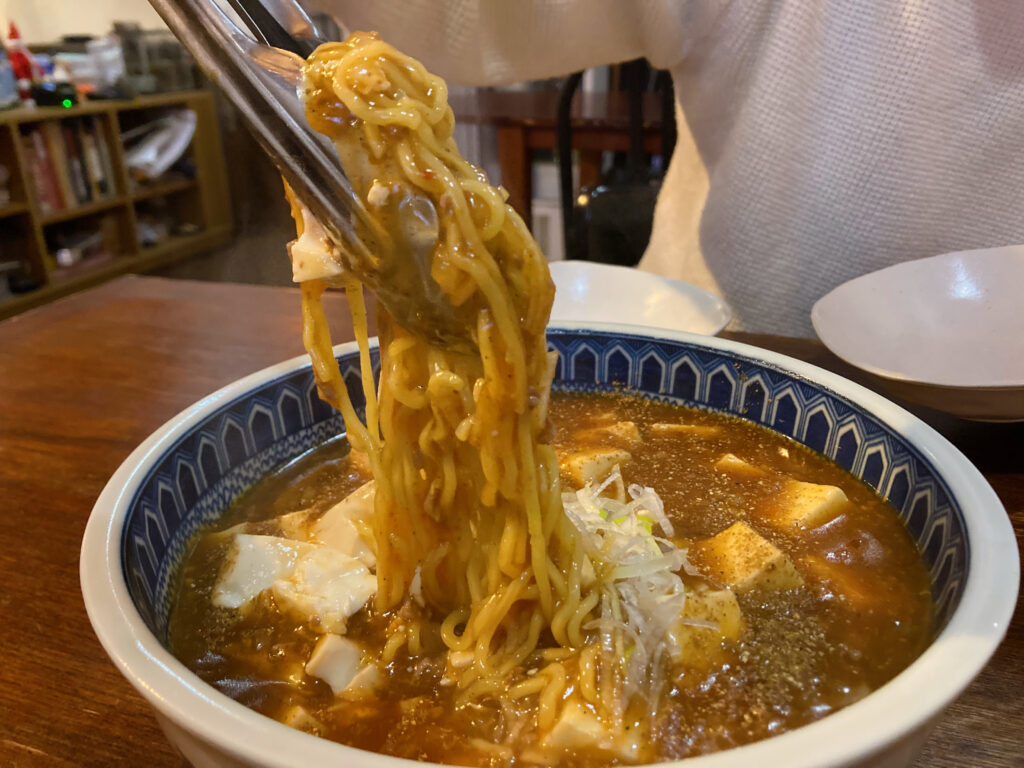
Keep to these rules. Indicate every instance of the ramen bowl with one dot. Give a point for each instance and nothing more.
(187, 473)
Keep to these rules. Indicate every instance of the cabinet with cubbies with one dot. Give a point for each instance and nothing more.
(108, 209)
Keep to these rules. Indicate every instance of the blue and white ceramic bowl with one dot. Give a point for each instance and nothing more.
(187, 473)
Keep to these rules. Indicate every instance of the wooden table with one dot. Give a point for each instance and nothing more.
(84, 380)
(526, 122)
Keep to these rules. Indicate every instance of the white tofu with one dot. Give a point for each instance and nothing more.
(299, 718)
(316, 581)
(737, 467)
(416, 587)
(327, 585)
(740, 558)
(696, 645)
(365, 681)
(579, 728)
(336, 660)
(697, 430)
(621, 431)
(377, 194)
(256, 563)
(592, 466)
(576, 727)
(805, 505)
(313, 254)
(338, 527)
(294, 525)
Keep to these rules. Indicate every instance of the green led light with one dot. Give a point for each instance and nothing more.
(67, 104)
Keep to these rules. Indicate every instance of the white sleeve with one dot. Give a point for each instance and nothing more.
(490, 42)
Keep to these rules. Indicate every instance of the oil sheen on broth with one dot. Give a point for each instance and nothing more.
(801, 599)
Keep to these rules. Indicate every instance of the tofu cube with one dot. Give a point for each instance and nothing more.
(365, 681)
(802, 505)
(299, 718)
(255, 563)
(335, 660)
(311, 253)
(317, 582)
(737, 467)
(742, 559)
(621, 432)
(696, 430)
(339, 527)
(576, 727)
(326, 585)
(592, 466)
(294, 525)
(696, 645)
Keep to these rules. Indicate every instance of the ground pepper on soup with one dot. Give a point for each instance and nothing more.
(804, 593)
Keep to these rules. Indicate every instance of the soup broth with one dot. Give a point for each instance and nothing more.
(804, 594)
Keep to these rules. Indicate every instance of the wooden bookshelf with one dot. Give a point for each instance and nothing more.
(162, 189)
(13, 209)
(26, 224)
(81, 211)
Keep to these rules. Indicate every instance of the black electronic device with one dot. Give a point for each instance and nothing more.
(55, 95)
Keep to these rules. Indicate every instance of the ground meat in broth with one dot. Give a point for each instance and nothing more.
(863, 614)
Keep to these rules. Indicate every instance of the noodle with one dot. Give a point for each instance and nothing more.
(467, 490)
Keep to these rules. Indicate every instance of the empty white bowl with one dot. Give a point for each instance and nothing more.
(591, 292)
(946, 331)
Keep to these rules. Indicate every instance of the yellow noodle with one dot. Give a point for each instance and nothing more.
(467, 493)
(550, 695)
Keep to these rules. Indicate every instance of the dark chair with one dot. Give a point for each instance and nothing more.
(611, 223)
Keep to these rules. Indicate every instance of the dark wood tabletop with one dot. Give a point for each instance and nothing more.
(85, 380)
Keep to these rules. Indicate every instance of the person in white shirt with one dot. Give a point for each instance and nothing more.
(818, 141)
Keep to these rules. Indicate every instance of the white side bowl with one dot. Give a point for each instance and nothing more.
(186, 473)
(946, 331)
(588, 292)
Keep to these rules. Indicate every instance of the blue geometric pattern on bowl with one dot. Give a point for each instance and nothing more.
(198, 477)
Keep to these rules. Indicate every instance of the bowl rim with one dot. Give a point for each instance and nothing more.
(907, 703)
(838, 344)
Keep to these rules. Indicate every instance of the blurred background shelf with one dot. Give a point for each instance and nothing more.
(164, 188)
(90, 272)
(80, 211)
(13, 209)
(181, 246)
(128, 216)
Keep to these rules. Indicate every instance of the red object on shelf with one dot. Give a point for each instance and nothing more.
(25, 69)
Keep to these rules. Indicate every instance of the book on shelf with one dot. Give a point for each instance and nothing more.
(41, 170)
(80, 183)
(91, 161)
(59, 161)
(69, 162)
(97, 156)
(106, 157)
